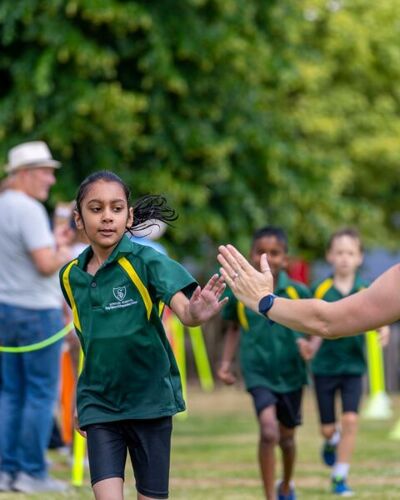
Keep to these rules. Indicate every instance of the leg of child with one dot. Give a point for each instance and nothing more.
(325, 390)
(112, 489)
(328, 430)
(288, 446)
(109, 489)
(348, 438)
(351, 392)
(149, 444)
(269, 438)
(107, 456)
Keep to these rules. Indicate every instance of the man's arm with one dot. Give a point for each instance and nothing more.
(48, 261)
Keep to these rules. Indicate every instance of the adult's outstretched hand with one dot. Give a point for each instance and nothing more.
(248, 284)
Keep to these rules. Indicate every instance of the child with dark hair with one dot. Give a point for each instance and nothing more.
(129, 387)
(339, 365)
(271, 364)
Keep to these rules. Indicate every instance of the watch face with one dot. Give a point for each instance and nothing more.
(266, 304)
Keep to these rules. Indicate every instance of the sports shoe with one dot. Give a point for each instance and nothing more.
(289, 496)
(29, 484)
(5, 481)
(339, 487)
(328, 454)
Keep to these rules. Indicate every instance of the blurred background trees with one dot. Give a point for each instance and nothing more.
(241, 113)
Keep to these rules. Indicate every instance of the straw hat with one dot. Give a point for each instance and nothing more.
(33, 154)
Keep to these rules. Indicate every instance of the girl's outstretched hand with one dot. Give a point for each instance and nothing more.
(205, 303)
(248, 284)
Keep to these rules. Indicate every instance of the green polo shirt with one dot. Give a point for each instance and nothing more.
(269, 356)
(129, 370)
(344, 356)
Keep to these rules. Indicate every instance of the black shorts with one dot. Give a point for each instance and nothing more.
(288, 404)
(326, 387)
(149, 445)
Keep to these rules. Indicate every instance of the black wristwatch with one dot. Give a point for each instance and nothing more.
(266, 303)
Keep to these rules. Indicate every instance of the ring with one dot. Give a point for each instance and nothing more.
(235, 276)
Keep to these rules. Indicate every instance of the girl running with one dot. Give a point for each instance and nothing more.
(129, 387)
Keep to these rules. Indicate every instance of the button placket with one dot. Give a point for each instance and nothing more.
(95, 293)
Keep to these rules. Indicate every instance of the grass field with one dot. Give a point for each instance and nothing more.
(214, 456)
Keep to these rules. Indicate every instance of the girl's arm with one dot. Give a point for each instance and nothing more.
(203, 304)
(366, 310)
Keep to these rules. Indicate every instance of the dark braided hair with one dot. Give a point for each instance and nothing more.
(147, 210)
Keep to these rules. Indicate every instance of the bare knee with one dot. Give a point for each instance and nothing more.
(109, 489)
(287, 443)
(328, 430)
(349, 422)
(269, 433)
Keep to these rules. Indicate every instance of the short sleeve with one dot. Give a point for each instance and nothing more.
(229, 312)
(35, 228)
(166, 276)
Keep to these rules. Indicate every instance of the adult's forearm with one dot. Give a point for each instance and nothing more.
(330, 320)
(368, 309)
(48, 261)
(307, 315)
(54, 263)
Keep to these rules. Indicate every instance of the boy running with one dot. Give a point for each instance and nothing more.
(339, 365)
(272, 367)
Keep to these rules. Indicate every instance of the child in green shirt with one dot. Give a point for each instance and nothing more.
(129, 387)
(271, 364)
(339, 365)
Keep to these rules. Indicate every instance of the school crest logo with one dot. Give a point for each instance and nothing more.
(119, 292)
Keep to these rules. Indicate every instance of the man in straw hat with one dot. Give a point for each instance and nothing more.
(30, 311)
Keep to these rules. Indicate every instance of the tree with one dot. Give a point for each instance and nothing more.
(242, 113)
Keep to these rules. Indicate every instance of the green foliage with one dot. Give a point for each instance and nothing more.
(242, 113)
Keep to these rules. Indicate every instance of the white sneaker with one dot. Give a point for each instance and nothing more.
(5, 481)
(29, 484)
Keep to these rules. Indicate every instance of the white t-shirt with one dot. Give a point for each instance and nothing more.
(24, 226)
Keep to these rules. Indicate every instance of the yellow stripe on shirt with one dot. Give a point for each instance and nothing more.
(292, 292)
(67, 286)
(323, 288)
(130, 270)
(241, 313)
